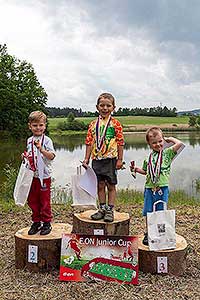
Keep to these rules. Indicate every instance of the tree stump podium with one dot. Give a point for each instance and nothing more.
(39, 253)
(83, 224)
(163, 261)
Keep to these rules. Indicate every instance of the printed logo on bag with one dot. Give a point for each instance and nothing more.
(155, 241)
(161, 228)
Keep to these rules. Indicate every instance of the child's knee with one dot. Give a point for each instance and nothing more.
(111, 187)
(101, 185)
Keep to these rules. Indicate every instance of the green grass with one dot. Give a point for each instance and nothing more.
(56, 132)
(9, 206)
(130, 196)
(128, 120)
(124, 197)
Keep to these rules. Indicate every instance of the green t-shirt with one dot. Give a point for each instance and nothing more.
(167, 157)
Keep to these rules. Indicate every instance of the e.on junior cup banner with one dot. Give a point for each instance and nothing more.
(111, 258)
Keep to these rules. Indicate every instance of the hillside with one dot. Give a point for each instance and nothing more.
(191, 112)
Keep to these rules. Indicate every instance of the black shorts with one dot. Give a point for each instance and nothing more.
(105, 170)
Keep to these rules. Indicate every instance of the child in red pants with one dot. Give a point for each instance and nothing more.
(40, 153)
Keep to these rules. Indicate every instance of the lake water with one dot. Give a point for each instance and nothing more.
(70, 150)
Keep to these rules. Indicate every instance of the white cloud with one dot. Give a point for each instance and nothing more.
(75, 61)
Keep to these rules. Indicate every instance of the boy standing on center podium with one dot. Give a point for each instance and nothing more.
(104, 143)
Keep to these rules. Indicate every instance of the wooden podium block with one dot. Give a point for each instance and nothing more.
(37, 252)
(163, 261)
(83, 224)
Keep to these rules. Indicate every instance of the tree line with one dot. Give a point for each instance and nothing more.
(152, 111)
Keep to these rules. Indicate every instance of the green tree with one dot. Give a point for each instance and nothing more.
(70, 117)
(20, 93)
(72, 124)
(198, 121)
(192, 121)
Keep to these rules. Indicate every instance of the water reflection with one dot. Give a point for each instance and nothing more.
(70, 143)
(70, 150)
(185, 168)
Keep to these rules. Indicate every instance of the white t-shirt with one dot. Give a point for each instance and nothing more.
(47, 144)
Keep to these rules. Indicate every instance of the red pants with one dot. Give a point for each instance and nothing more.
(39, 200)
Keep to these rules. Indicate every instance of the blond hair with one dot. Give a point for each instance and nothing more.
(36, 116)
(152, 132)
(106, 96)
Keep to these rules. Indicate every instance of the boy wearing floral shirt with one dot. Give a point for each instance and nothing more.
(104, 144)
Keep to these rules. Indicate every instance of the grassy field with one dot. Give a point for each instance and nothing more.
(129, 120)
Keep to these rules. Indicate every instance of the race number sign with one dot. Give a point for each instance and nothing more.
(111, 258)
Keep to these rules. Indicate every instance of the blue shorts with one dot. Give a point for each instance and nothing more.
(150, 197)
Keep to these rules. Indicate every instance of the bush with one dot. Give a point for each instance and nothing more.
(76, 125)
(62, 125)
(72, 125)
(9, 183)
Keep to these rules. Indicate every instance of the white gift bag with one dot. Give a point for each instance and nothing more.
(161, 228)
(23, 183)
(84, 188)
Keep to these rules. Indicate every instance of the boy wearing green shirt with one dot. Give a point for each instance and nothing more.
(157, 167)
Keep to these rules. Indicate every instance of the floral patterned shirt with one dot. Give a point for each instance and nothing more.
(113, 138)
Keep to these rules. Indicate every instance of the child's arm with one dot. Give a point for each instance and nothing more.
(119, 163)
(140, 171)
(48, 154)
(177, 143)
(87, 156)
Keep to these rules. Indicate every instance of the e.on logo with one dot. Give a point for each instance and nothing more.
(66, 274)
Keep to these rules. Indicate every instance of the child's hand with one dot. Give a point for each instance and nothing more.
(24, 155)
(119, 164)
(85, 163)
(167, 139)
(38, 144)
(133, 169)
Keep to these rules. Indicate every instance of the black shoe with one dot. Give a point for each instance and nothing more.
(98, 215)
(109, 215)
(46, 228)
(35, 227)
(145, 239)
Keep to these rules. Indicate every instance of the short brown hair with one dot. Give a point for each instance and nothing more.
(152, 132)
(107, 96)
(36, 116)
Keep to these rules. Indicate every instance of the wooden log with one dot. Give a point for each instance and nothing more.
(83, 224)
(163, 261)
(39, 253)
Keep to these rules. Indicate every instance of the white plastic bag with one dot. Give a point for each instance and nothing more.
(23, 184)
(161, 228)
(84, 188)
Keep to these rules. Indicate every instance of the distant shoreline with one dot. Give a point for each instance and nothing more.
(128, 129)
(164, 127)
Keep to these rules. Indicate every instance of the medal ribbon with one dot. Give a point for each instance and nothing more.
(100, 138)
(33, 160)
(155, 171)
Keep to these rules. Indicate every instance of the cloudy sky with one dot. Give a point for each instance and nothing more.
(145, 52)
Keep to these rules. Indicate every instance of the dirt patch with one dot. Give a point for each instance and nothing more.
(20, 284)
